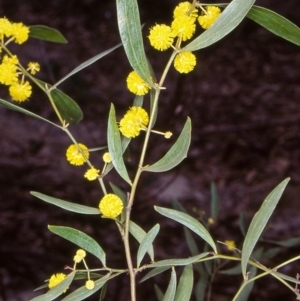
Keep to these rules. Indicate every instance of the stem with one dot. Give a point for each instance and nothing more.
(131, 270)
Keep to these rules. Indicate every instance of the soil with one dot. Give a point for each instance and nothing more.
(244, 102)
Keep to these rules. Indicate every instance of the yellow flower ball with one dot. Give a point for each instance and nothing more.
(106, 157)
(92, 174)
(230, 245)
(5, 28)
(33, 67)
(208, 17)
(161, 37)
(20, 32)
(80, 254)
(90, 284)
(74, 156)
(184, 8)
(111, 205)
(56, 279)
(135, 120)
(183, 27)
(185, 62)
(136, 84)
(20, 91)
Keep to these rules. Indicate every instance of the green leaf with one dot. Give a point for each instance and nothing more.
(132, 39)
(66, 205)
(243, 223)
(114, 145)
(190, 242)
(189, 222)
(236, 270)
(82, 292)
(154, 272)
(21, 110)
(138, 101)
(247, 286)
(80, 239)
(57, 290)
(158, 292)
(201, 286)
(146, 243)
(125, 142)
(259, 222)
(87, 63)
(215, 202)
(185, 286)
(292, 242)
(176, 153)
(230, 18)
(67, 107)
(275, 23)
(46, 33)
(138, 233)
(177, 262)
(170, 293)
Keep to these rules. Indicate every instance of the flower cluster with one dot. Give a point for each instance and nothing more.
(135, 120)
(111, 205)
(183, 27)
(16, 32)
(80, 254)
(10, 72)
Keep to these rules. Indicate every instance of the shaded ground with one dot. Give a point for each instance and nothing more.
(243, 99)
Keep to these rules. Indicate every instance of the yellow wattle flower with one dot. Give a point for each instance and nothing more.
(111, 205)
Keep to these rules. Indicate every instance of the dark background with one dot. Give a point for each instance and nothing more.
(243, 99)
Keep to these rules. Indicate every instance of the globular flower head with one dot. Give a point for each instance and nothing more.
(161, 37)
(74, 156)
(56, 279)
(208, 17)
(9, 70)
(136, 84)
(80, 254)
(111, 205)
(90, 284)
(183, 27)
(106, 157)
(5, 28)
(19, 32)
(135, 120)
(185, 62)
(185, 8)
(92, 174)
(20, 91)
(33, 67)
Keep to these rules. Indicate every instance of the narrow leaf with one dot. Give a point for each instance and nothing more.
(189, 222)
(154, 272)
(191, 242)
(259, 222)
(158, 292)
(146, 243)
(80, 239)
(46, 33)
(177, 262)
(87, 63)
(138, 233)
(65, 204)
(176, 153)
(230, 18)
(57, 290)
(170, 293)
(67, 107)
(138, 101)
(275, 23)
(247, 286)
(115, 146)
(131, 36)
(21, 110)
(201, 286)
(292, 242)
(82, 292)
(185, 286)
